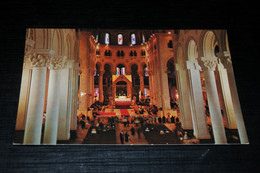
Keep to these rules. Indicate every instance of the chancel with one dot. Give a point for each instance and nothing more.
(122, 86)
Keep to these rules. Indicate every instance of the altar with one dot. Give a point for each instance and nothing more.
(122, 102)
(122, 98)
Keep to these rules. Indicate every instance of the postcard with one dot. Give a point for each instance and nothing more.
(128, 87)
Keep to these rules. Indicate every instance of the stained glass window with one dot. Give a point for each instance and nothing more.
(123, 70)
(107, 38)
(143, 38)
(145, 72)
(96, 38)
(120, 39)
(117, 71)
(133, 39)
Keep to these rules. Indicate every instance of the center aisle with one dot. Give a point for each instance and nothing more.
(124, 112)
(133, 138)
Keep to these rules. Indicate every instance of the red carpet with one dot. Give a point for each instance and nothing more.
(106, 113)
(124, 112)
(123, 103)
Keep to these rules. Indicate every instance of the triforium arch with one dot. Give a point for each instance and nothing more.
(192, 51)
(129, 67)
(208, 44)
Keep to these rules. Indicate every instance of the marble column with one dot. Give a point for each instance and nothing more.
(184, 99)
(209, 65)
(101, 95)
(235, 99)
(24, 96)
(51, 123)
(228, 104)
(33, 127)
(65, 101)
(196, 101)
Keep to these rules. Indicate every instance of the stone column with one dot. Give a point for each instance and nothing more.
(83, 90)
(235, 99)
(24, 96)
(74, 106)
(101, 95)
(158, 89)
(209, 65)
(141, 75)
(228, 104)
(154, 96)
(165, 90)
(150, 86)
(184, 100)
(25, 86)
(196, 101)
(91, 85)
(65, 101)
(33, 127)
(51, 123)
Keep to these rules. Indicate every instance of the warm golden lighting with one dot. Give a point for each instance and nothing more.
(82, 94)
(177, 96)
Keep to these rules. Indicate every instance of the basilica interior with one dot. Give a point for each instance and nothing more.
(122, 86)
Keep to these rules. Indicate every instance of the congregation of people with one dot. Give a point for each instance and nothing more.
(145, 114)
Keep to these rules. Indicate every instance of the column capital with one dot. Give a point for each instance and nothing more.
(209, 63)
(225, 58)
(38, 60)
(56, 62)
(193, 65)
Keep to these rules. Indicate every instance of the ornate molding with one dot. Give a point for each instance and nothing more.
(56, 62)
(29, 44)
(220, 65)
(209, 63)
(38, 60)
(193, 65)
